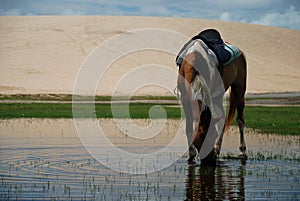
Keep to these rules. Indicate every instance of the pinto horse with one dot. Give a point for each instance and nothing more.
(198, 120)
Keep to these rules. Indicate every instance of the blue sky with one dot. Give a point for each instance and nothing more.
(281, 13)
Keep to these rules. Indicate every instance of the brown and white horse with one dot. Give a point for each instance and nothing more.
(198, 120)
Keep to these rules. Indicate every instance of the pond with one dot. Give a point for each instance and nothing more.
(45, 159)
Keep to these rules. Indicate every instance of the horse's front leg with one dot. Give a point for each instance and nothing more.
(185, 78)
(219, 141)
(187, 107)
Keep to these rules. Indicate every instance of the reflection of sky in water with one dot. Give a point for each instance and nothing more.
(44, 158)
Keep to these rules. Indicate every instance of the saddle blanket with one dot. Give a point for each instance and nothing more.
(225, 52)
(234, 53)
(231, 49)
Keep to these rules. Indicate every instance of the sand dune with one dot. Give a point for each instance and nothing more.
(44, 54)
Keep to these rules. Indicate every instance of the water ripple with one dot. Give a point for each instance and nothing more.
(56, 166)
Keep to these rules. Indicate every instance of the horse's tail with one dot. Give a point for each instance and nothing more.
(231, 109)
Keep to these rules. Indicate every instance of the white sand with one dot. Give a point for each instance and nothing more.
(44, 54)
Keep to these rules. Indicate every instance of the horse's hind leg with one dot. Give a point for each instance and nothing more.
(242, 139)
(240, 92)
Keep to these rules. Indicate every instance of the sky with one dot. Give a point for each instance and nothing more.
(280, 13)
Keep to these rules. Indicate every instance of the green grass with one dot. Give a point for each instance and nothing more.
(64, 110)
(68, 97)
(280, 120)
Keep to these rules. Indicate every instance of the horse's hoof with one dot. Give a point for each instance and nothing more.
(191, 159)
(192, 153)
(243, 156)
(217, 150)
(242, 149)
(191, 162)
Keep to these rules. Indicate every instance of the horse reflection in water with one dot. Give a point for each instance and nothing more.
(215, 183)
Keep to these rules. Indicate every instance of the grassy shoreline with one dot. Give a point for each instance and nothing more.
(69, 97)
(291, 96)
(279, 120)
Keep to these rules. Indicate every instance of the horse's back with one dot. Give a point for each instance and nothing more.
(235, 72)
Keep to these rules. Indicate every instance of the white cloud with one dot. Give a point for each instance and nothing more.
(11, 12)
(70, 12)
(226, 16)
(243, 4)
(290, 19)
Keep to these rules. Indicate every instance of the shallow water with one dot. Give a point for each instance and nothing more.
(44, 159)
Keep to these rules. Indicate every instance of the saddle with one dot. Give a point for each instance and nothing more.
(213, 40)
(225, 53)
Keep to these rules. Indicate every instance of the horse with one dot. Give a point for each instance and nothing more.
(234, 77)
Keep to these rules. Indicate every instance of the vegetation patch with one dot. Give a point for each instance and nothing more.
(280, 120)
